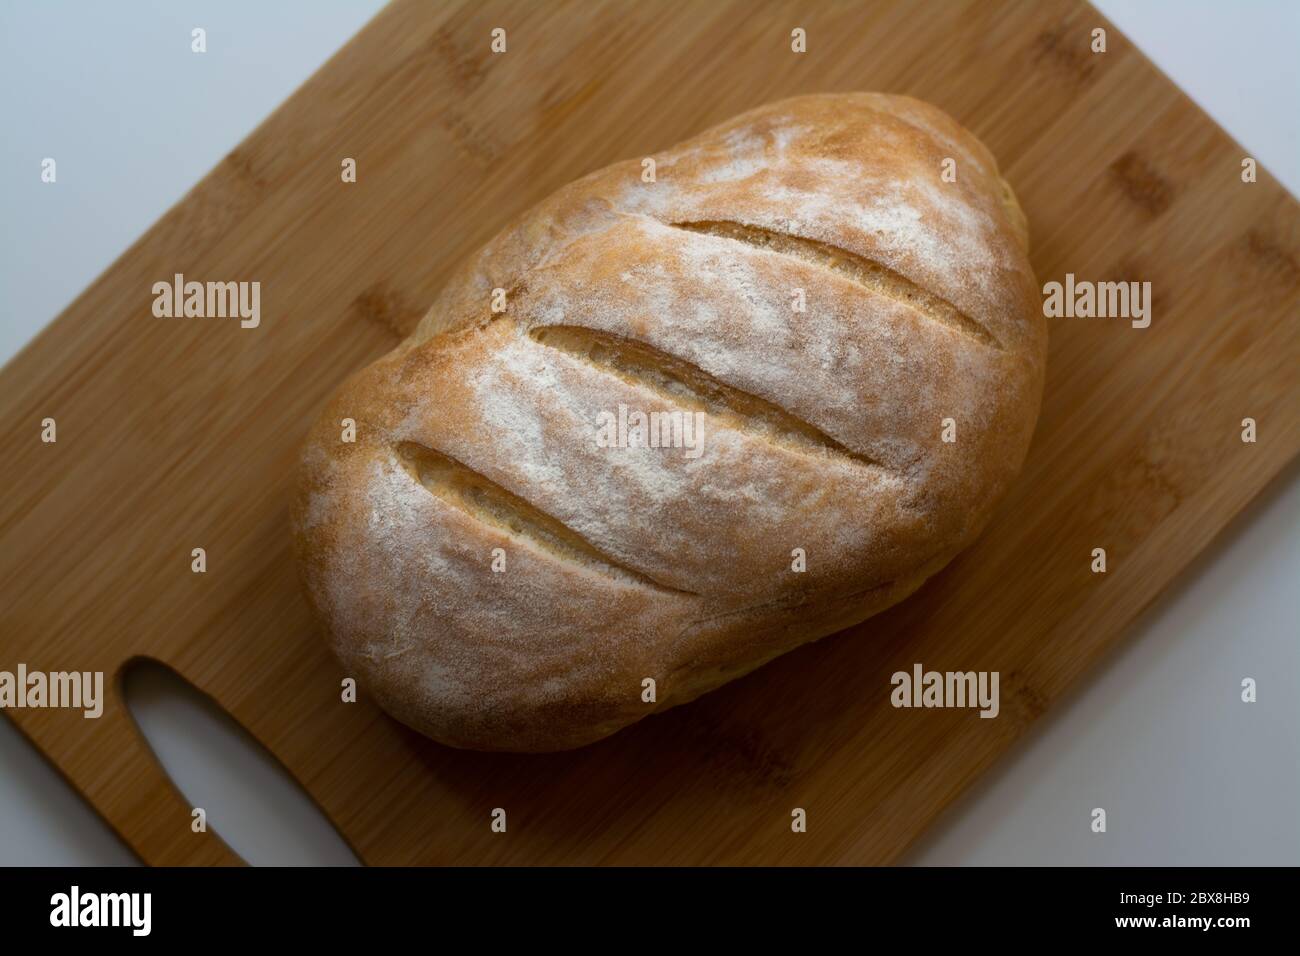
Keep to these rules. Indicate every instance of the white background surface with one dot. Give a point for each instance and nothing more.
(1158, 736)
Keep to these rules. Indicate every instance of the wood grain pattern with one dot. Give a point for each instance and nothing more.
(176, 434)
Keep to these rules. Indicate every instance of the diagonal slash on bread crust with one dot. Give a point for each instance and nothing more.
(484, 500)
(688, 385)
(868, 273)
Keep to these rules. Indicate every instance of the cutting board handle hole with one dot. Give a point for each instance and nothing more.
(247, 795)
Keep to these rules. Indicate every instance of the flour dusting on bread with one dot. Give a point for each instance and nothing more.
(500, 575)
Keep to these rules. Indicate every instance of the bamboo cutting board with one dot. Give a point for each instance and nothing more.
(177, 434)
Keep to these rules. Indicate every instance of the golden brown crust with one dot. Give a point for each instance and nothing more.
(822, 427)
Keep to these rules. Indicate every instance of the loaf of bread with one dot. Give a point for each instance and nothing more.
(825, 312)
